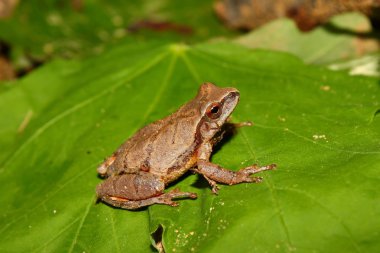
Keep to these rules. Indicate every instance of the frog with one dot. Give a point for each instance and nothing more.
(138, 172)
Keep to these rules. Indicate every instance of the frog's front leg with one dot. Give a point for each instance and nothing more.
(103, 169)
(242, 124)
(214, 173)
(132, 191)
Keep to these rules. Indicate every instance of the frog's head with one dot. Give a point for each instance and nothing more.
(216, 105)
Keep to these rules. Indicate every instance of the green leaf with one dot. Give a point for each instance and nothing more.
(345, 37)
(367, 65)
(62, 30)
(320, 127)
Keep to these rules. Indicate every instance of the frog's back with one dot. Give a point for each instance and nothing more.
(162, 146)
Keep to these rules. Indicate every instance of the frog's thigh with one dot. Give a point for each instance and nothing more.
(128, 204)
(132, 191)
(137, 186)
(165, 199)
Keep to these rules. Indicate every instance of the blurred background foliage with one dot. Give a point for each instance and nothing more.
(35, 31)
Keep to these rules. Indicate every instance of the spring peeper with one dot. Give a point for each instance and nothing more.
(159, 153)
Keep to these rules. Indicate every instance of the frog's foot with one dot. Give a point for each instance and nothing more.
(165, 199)
(244, 174)
(213, 184)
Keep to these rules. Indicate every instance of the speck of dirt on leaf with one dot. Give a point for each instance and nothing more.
(181, 237)
(282, 119)
(320, 136)
(222, 224)
(221, 227)
(245, 161)
(325, 87)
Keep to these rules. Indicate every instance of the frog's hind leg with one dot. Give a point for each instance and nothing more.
(165, 199)
(132, 191)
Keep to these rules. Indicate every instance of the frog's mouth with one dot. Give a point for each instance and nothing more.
(229, 103)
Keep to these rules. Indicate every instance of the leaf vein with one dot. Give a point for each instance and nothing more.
(57, 235)
(36, 207)
(81, 225)
(274, 198)
(74, 108)
(312, 198)
(191, 68)
(114, 232)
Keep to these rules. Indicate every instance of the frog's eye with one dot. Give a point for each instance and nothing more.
(214, 111)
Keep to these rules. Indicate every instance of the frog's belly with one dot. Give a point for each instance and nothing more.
(174, 172)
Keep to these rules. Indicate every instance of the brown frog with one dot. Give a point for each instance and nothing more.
(159, 153)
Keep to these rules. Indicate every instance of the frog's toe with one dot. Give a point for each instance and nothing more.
(215, 189)
(166, 201)
(254, 180)
(176, 193)
(256, 169)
